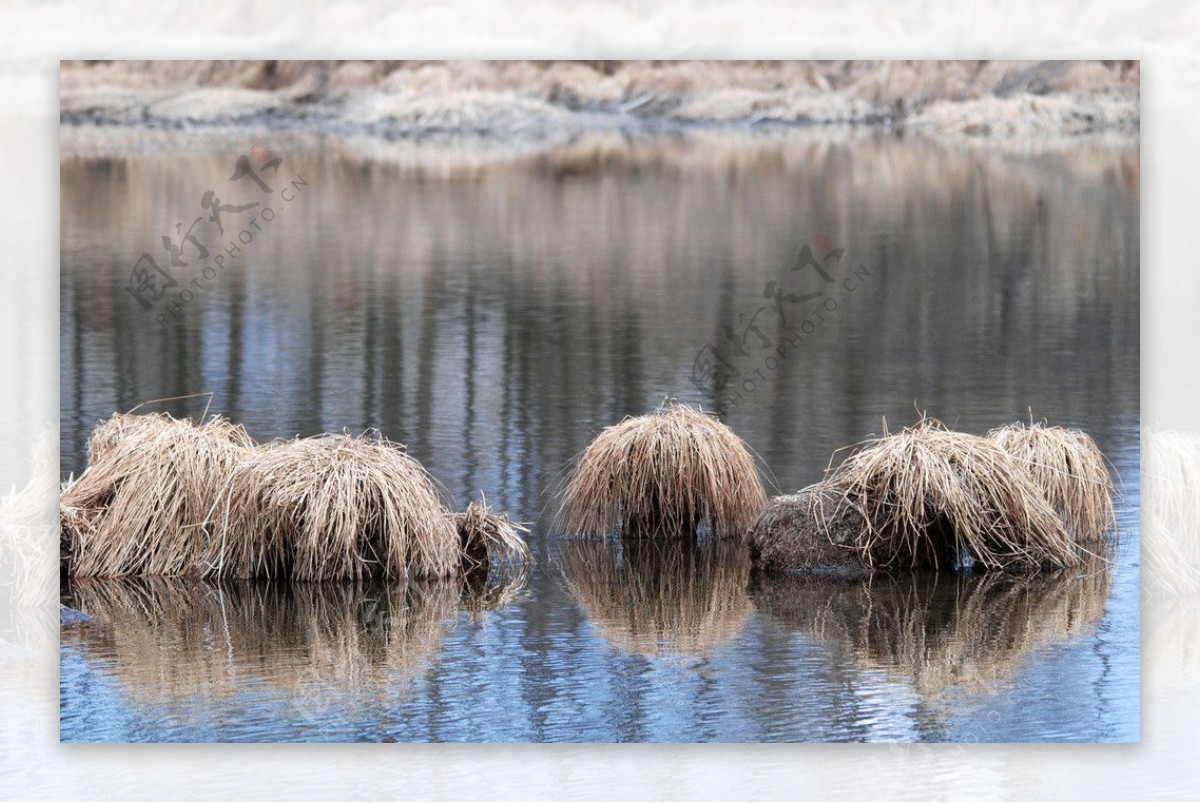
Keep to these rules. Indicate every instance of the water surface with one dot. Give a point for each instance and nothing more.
(494, 311)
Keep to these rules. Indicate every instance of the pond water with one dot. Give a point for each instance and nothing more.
(493, 309)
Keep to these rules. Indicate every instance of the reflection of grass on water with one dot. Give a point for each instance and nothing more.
(656, 598)
(169, 638)
(940, 630)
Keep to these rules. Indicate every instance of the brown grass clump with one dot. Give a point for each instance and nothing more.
(332, 507)
(487, 536)
(661, 598)
(941, 631)
(1070, 469)
(929, 495)
(140, 506)
(665, 473)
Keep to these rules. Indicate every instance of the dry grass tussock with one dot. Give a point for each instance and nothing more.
(140, 506)
(172, 637)
(488, 537)
(1070, 469)
(927, 497)
(941, 631)
(660, 598)
(811, 532)
(331, 507)
(665, 473)
(167, 497)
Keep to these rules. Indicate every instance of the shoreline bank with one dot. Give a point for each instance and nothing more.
(534, 102)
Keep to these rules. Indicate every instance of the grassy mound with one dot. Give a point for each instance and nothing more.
(140, 507)
(1069, 468)
(664, 474)
(332, 507)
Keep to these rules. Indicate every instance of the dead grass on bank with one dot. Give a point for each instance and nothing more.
(962, 97)
(663, 474)
(1070, 469)
(331, 507)
(140, 506)
(660, 598)
(928, 495)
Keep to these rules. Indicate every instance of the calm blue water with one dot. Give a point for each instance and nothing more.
(494, 315)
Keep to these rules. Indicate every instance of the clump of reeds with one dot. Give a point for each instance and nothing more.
(929, 496)
(1069, 468)
(665, 473)
(140, 507)
(487, 536)
(658, 598)
(332, 507)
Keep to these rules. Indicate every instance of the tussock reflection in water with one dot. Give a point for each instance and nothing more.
(652, 597)
(166, 638)
(940, 630)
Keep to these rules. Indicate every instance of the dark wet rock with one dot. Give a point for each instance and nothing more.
(808, 533)
(70, 616)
